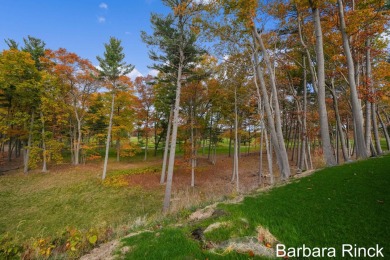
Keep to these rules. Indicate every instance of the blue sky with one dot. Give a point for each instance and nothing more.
(81, 26)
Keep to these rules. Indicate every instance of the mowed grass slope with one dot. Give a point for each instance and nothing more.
(348, 204)
(41, 205)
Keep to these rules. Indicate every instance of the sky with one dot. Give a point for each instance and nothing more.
(82, 26)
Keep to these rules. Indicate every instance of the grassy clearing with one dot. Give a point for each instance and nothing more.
(46, 205)
(349, 204)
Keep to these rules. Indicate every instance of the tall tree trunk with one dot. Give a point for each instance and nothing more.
(304, 122)
(270, 119)
(236, 146)
(308, 55)
(175, 122)
(309, 154)
(146, 147)
(377, 139)
(373, 109)
(78, 145)
(384, 129)
(44, 152)
(296, 131)
(261, 151)
(368, 126)
(269, 158)
(322, 110)
(10, 148)
(260, 108)
(192, 147)
(156, 140)
(360, 146)
(386, 116)
(368, 101)
(166, 149)
(29, 142)
(230, 140)
(285, 169)
(147, 136)
(267, 106)
(118, 148)
(339, 125)
(108, 137)
(210, 136)
(77, 138)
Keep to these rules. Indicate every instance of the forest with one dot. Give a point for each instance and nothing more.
(295, 84)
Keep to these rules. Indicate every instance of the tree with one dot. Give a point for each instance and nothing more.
(36, 47)
(176, 40)
(20, 83)
(79, 79)
(124, 113)
(360, 146)
(322, 110)
(112, 67)
(145, 92)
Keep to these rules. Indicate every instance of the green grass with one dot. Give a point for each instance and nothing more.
(42, 205)
(171, 243)
(348, 204)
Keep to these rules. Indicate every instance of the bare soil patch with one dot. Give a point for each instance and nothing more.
(212, 182)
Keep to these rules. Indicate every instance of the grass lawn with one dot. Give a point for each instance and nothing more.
(348, 204)
(47, 205)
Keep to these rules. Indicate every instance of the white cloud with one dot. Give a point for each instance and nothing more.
(101, 19)
(134, 74)
(103, 6)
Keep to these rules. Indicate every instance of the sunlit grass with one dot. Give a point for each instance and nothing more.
(347, 204)
(41, 205)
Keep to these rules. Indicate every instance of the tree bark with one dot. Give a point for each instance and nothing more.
(308, 55)
(192, 147)
(270, 119)
(166, 150)
(360, 146)
(322, 110)
(269, 158)
(378, 146)
(28, 148)
(77, 139)
(147, 136)
(118, 148)
(44, 152)
(236, 146)
(339, 125)
(230, 140)
(368, 101)
(385, 132)
(285, 167)
(108, 137)
(175, 122)
(304, 121)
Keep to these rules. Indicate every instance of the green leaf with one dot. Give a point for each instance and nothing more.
(92, 239)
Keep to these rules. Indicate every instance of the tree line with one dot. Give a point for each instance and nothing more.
(313, 81)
